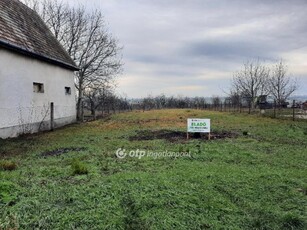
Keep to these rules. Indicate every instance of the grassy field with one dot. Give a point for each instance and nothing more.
(72, 179)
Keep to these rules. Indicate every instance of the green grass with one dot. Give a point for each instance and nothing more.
(254, 181)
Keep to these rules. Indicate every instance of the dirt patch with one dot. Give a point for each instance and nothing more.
(61, 151)
(174, 136)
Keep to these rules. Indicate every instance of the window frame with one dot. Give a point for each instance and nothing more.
(38, 87)
(67, 90)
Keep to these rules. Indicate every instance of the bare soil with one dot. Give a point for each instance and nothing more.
(61, 151)
(174, 136)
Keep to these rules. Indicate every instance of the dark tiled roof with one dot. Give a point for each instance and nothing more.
(22, 30)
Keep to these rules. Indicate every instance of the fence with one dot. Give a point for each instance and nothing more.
(293, 111)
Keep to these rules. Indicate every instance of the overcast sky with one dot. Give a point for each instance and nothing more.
(192, 47)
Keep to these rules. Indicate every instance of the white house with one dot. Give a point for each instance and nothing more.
(36, 74)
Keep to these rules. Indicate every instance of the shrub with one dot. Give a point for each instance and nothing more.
(79, 168)
(8, 165)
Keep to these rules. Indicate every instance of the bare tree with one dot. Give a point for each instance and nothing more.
(148, 103)
(201, 102)
(216, 101)
(93, 99)
(281, 86)
(251, 81)
(104, 99)
(98, 97)
(86, 39)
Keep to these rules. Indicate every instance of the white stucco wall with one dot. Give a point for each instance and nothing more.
(20, 106)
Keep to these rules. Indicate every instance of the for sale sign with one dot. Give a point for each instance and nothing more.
(196, 125)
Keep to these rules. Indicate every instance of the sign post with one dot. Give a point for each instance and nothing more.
(196, 125)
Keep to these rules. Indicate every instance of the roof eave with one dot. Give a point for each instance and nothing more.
(41, 57)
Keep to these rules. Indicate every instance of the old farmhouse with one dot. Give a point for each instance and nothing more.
(36, 74)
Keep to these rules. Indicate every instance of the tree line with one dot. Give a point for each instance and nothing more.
(253, 81)
(170, 102)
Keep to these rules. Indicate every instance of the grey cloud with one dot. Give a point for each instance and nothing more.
(229, 50)
(177, 39)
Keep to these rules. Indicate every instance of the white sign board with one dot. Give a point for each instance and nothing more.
(196, 125)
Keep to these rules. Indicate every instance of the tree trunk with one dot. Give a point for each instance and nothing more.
(79, 105)
(93, 110)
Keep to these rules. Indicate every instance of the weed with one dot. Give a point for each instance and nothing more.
(8, 165)
(78, 167)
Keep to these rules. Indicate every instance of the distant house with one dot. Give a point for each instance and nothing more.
(264, 102)
(36, 74)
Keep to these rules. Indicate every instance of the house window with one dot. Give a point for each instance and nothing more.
(38, 87)
(67, 90)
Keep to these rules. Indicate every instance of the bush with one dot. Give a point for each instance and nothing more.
(8, 165)
(79, 168)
